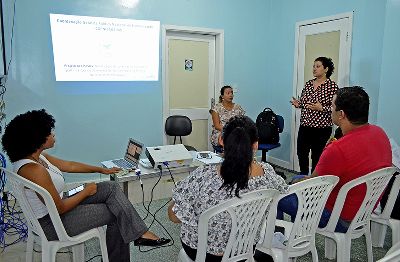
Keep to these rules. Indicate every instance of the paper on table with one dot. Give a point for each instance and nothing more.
(395, 153)
(215, 159)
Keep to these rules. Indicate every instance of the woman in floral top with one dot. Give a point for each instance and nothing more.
(222, 112)
(210, 185)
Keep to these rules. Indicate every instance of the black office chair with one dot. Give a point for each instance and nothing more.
(266, 147)
(179, 126)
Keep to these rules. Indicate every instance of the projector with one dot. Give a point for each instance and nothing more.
(169, 156)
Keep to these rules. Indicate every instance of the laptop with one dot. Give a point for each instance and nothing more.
(131, 158)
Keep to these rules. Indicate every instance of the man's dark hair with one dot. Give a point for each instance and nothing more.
(354, 102)
(26, 133)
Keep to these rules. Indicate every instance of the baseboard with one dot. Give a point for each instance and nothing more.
(278, 162)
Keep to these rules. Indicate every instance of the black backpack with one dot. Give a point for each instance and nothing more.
(268, 127)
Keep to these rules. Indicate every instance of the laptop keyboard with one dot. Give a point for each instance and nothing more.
(122, 163)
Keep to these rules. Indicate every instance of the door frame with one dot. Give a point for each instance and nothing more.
(344, 63)
(194, 32)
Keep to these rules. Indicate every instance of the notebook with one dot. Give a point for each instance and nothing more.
(131, 158)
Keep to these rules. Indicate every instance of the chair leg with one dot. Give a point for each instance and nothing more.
(78, 252)
(369, 244)
(103, 246)
(49, 253)
(264, 155)
(314, 254)
(330, 248)
(395, 226)
(378, 233)
(29, 246)
(343, 247)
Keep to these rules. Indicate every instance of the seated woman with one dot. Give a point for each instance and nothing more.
(209, 185)
(25, 139)
(221, 113)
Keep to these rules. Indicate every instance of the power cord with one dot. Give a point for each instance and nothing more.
(6, 66)
(151, 194)
(154, 215)
(12, 222)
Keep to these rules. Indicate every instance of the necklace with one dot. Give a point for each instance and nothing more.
(47, 166)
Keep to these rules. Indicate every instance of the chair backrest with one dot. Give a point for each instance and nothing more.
(18, 185)
(312, 195)
(394, 192)
(281, 123)
(178, 126)
(246, 213)
(376, 182)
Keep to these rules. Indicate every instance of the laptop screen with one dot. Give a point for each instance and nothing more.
(133, 151)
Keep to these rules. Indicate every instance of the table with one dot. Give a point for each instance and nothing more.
(149, 177)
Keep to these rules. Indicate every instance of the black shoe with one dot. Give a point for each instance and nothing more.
(151, 242)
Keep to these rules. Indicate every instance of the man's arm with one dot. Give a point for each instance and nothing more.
(314, 174)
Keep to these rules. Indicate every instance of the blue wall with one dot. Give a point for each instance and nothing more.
(389, 93)
(87, 129)
(259, 57)
(365, 54)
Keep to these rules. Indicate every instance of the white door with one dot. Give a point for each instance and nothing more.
(192, 69)
(329, 37)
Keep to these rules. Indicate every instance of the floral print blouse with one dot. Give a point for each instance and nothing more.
(201, 190)
(224, 115)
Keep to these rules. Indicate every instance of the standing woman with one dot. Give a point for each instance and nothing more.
(315, 121)
(222, 112)
(25, 140)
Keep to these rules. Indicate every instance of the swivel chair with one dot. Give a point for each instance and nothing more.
(266, 147)
(179, 126)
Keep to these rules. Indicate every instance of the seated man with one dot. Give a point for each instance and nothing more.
(363, 148)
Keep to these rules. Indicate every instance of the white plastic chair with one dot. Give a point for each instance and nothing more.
(312, 195)
(375, 182)
(18, 184)
(393, 254)
(379, 223)
(246, 214)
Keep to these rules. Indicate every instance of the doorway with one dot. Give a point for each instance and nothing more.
(329, 37)
(192, 74)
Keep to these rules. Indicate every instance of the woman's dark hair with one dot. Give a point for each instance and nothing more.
(326, 63)
(223, 91)
(239, 134)
(26, 133)
(354, 102)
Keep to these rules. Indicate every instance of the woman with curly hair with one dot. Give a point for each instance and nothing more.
(25, 140)
(210, 185)
(315, 121)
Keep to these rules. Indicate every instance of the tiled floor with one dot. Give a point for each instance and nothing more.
(16, 253)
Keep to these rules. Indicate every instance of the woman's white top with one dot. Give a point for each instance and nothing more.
(39, 209)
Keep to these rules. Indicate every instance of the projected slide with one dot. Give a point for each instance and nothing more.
(104, 49)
